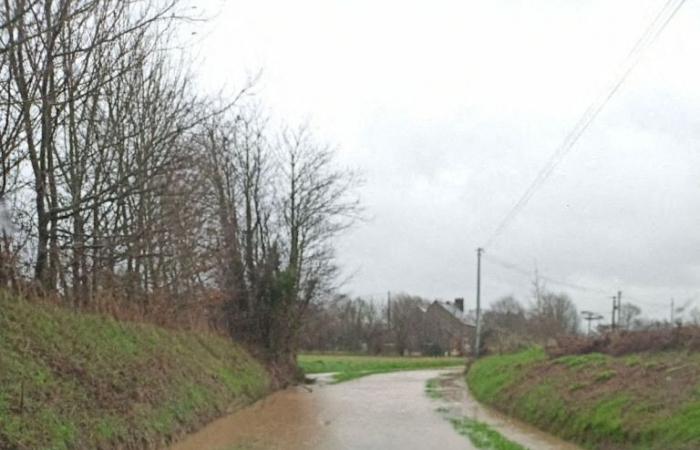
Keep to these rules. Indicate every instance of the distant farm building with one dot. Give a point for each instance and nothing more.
(448, 328)
(438, 328)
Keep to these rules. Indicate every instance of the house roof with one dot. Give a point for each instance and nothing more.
(456, 312)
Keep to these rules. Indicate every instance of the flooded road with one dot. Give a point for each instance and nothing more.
(459, 403)
(378, 412)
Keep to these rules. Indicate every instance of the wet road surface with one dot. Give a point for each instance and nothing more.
(378, 412)
(459, 403)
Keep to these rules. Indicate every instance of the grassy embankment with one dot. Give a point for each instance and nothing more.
(80, 381)
(639, 401)
(349, 367)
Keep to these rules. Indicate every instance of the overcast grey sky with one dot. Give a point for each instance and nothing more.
(450, 108)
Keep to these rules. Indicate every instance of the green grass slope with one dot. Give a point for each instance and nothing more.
(78, 381)
(641, 401)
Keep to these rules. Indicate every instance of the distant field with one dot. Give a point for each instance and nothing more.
(348, 367)
(648, 401)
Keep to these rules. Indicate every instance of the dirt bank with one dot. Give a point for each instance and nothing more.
(79, 381)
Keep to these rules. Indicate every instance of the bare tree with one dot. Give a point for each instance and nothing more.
(316, 202)
(629, 314)
(506, 325)
(343, 324)
(695, 316)
(553, 315)
(61, 54)
(408, 326)
(133, 192)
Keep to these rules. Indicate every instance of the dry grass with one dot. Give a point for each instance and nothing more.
(627, 342)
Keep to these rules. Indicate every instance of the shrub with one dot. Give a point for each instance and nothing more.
(627, 342)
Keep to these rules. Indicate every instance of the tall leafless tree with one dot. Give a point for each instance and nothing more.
(134, 191)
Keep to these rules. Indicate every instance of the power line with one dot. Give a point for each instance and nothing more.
(577, 286)
(650, 304)
(528, 273)
(651, 33)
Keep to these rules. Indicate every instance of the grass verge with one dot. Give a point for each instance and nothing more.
(432, 388)
(483, 436)
(647, 401)
(350, 367)
(480, 434)
(81, 381)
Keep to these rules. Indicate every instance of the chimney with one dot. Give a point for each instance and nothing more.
(459, 303)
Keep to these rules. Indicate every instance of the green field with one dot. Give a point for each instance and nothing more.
(647, 401)
(349, 367)
(81, 381)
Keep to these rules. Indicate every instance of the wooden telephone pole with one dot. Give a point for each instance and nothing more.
(477, 340)
(388, 309)
(617, 302)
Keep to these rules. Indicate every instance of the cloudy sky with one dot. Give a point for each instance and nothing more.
(450, 108)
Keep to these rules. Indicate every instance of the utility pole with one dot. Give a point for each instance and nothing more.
(673, 311)
(612, 323)
(388, 309)
(617, 302)
(537, 288)
(479, 251)
(590, 316)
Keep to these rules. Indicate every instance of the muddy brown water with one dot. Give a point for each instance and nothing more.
(378, 412)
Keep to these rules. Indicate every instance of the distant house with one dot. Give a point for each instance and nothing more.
(447, 327)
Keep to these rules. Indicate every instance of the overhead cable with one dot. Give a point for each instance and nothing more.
(650, 35)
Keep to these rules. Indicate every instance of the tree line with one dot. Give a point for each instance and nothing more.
(360, 325)
(543, 317)
(127, 189)
(347, 324)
